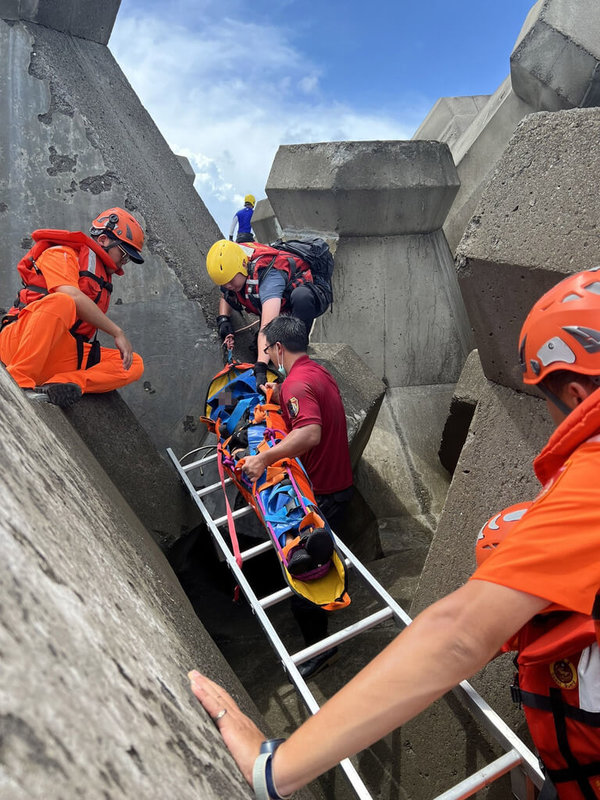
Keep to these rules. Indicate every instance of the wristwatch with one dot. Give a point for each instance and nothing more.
(262, 772)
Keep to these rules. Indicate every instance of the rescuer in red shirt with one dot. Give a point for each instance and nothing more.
(314, 414)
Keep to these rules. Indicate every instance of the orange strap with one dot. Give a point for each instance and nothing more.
(235, 545)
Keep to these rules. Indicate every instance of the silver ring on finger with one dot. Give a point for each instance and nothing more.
(221, 714)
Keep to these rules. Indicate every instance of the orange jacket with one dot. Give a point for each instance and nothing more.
(94, 280)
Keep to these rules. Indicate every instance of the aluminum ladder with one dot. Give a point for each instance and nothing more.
(518, 758)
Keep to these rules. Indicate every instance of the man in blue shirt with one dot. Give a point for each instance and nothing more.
(243, 219)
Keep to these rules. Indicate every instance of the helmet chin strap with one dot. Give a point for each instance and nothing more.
(555, 399)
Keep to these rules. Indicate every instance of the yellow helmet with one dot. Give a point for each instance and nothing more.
(224, 260)
(250, 199)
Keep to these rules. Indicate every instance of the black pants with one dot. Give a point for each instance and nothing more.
(311, 619)
(304, 304)
(244, 237)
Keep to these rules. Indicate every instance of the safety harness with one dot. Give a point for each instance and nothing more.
(262, 261)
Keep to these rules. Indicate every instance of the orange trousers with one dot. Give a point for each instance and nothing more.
(38, 348)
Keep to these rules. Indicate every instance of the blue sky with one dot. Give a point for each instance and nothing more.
(228, 81)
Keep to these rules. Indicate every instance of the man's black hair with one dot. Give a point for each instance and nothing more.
(289, 331)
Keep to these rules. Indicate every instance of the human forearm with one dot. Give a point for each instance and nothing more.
(88, 311)
(443, 646)
(295, 444)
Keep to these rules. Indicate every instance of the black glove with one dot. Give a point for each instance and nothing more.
(224, 326)
(260, 373)
(231, 238)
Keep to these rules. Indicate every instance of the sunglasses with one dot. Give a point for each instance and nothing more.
(124, 254)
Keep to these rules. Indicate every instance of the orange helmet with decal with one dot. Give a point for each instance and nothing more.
(120, 225)
(497, 529)
(562, 330)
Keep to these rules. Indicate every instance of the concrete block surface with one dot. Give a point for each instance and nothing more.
(536, 222)
(96, 636)
(477, 151)
(450, 117)
(362, 188)
(265, 224)
(82, 18)
(556, 60)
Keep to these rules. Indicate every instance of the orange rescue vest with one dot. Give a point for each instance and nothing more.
(263, 259)
(94, 280)
(558, 684)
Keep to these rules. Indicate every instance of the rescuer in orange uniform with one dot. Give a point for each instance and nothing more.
(48, 338)
(541, 582)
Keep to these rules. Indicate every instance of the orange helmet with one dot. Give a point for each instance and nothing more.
(120, 224)
(496, 530)
(562, 330)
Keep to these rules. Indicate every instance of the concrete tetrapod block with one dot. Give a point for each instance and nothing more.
(494, 471)
(113, 435)
(69, 149)
(362, 392)
(555, 63)
(536, 222)
(83, 18)
(476, 152)
(187, 168)
(362, 188)
(265, 224)
(96, 636)
(468, 390)
(398, 305)
(450, 117)
(400, 474)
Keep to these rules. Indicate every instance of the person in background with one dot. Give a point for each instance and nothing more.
(242, 219)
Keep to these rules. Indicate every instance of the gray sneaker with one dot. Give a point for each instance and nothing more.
(63, 395)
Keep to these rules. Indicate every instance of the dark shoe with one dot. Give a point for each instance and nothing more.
(319, 545)
(300, 562)
(314, 665)
(63, 395)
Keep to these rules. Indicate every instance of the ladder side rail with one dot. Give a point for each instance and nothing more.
(372, 582)
(479, 708)
(503, 733)
(465, 692)
(292, 670)
(483, 777)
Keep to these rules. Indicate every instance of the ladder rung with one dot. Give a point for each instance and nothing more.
(272, 599)
(212, 488)
(342, 636)
(241, 512)
(485, 776)
(199, 463)
(252, 552)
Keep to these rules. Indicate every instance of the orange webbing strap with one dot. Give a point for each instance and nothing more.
(235, 545)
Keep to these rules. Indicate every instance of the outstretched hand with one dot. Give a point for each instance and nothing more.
(124, 347)
(239, 733)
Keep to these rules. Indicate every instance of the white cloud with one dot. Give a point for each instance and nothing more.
(228, 95)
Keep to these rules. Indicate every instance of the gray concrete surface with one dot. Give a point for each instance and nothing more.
(70, 148)
(477, 151)
(82, 18)
(535, 223)
(187, 168)
(397, 304)
(96, 635)
(450, 117)
(124, 450)
(494, 471)
(556, 60)
(466, 395)
(362, 392)
(362, 188)
(265, 224)
(400, 474)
